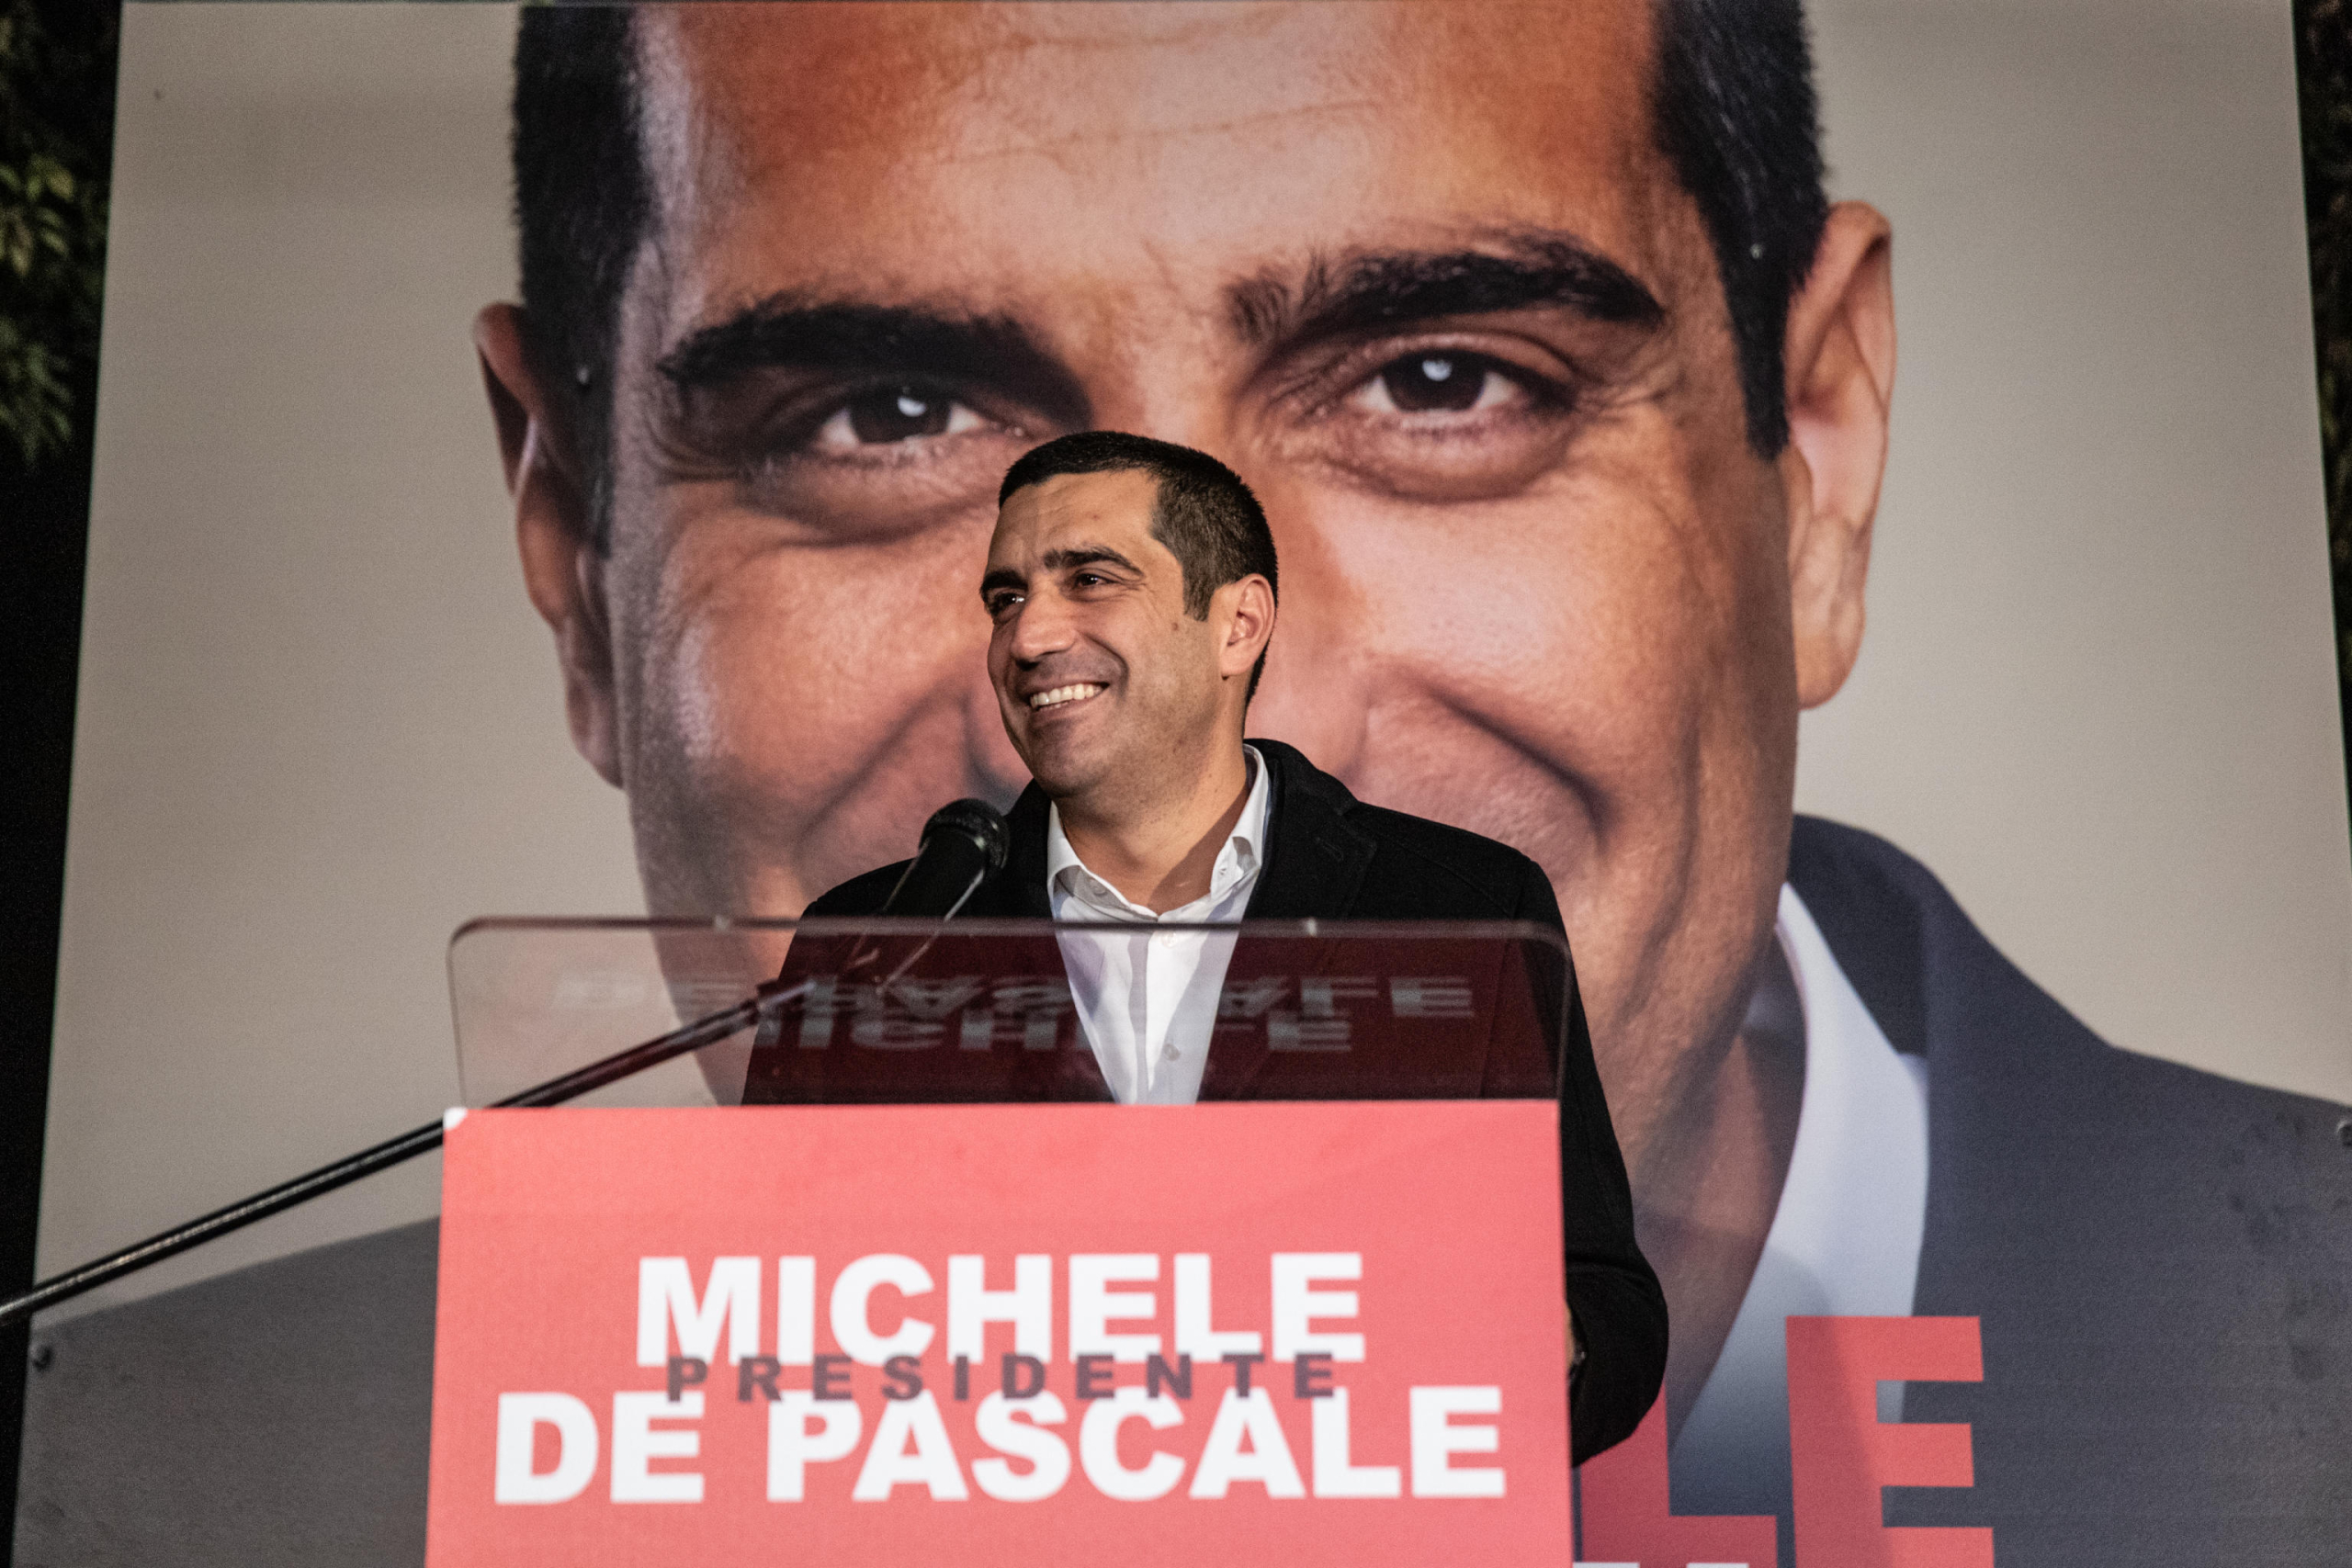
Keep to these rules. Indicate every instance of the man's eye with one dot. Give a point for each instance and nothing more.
(1439, 383)
(893, 415)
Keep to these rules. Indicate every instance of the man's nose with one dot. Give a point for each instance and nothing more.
(1041, 627)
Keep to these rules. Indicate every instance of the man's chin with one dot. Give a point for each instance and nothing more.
(1062, 780)
(1061, 770)
(1055, 753)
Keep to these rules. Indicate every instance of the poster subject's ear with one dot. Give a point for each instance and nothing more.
(1840, 358)
(563, 568)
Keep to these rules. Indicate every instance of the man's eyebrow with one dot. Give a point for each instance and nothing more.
(1512, 271)
(1068, 559)
(1002, 577)
(793, 331)
(1075, 556)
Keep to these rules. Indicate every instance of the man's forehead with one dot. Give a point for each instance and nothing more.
(917, 149)
(1044, 522)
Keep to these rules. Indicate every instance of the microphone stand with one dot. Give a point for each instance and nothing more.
(963, 845)
(770, 1000)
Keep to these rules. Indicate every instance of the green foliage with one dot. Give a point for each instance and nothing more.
(53, 228)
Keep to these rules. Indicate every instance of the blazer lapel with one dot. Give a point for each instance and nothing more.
(1315, 862)
(1019, 890)
(1314, 865)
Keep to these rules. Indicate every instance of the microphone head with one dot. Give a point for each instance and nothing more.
(964, 845)
(975, 820)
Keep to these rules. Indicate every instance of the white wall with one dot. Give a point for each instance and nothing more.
(2097, 694)
(319, 725)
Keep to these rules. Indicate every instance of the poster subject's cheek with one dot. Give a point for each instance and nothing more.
(804, 709)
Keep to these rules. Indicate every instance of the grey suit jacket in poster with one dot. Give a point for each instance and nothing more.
(2161, 1261)
(2160, 1258)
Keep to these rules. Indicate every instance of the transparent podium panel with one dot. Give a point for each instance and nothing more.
(999, 1011)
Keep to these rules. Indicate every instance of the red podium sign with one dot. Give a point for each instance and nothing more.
(1033, 1334)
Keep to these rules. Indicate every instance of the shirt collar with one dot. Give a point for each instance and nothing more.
(1844, 1241)
(1236, 863)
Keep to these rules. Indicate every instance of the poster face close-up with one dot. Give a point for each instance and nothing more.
(1837, 489)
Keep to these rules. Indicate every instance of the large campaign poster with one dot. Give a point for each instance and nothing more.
(543, 459)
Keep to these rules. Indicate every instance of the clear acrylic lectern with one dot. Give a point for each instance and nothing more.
(975, 1011)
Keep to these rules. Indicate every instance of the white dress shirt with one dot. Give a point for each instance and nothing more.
(1844, 1242)
(1148, 999)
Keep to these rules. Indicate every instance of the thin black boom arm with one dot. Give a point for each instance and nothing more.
(384, 1155)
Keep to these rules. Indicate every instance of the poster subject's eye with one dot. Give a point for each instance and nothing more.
(888, 416)
(1439, 382)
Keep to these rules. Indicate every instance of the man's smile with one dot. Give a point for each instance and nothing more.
(1077, 691)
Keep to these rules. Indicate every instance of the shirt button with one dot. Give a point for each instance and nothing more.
(1170, 1054)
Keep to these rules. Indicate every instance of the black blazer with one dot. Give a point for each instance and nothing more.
(1330, 857)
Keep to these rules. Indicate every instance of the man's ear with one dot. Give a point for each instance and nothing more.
(1840, 356)
(1249, 621)
(563, 570)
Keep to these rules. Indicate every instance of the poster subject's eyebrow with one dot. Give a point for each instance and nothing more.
(786, 332)
(1513, 271)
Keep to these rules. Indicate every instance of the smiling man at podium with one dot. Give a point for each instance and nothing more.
(1131, 591)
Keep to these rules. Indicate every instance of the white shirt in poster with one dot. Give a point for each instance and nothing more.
(1844, 1242)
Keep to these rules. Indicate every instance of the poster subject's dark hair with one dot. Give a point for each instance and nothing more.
(1731, 100)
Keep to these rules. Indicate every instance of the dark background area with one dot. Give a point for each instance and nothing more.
(2324, 71)
(57, 84)
(57, 70)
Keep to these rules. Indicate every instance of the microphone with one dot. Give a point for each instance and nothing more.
(962, 846)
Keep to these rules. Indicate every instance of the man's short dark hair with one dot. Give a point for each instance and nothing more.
(1201, 511)
(1205, 514)
(1731, 101)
